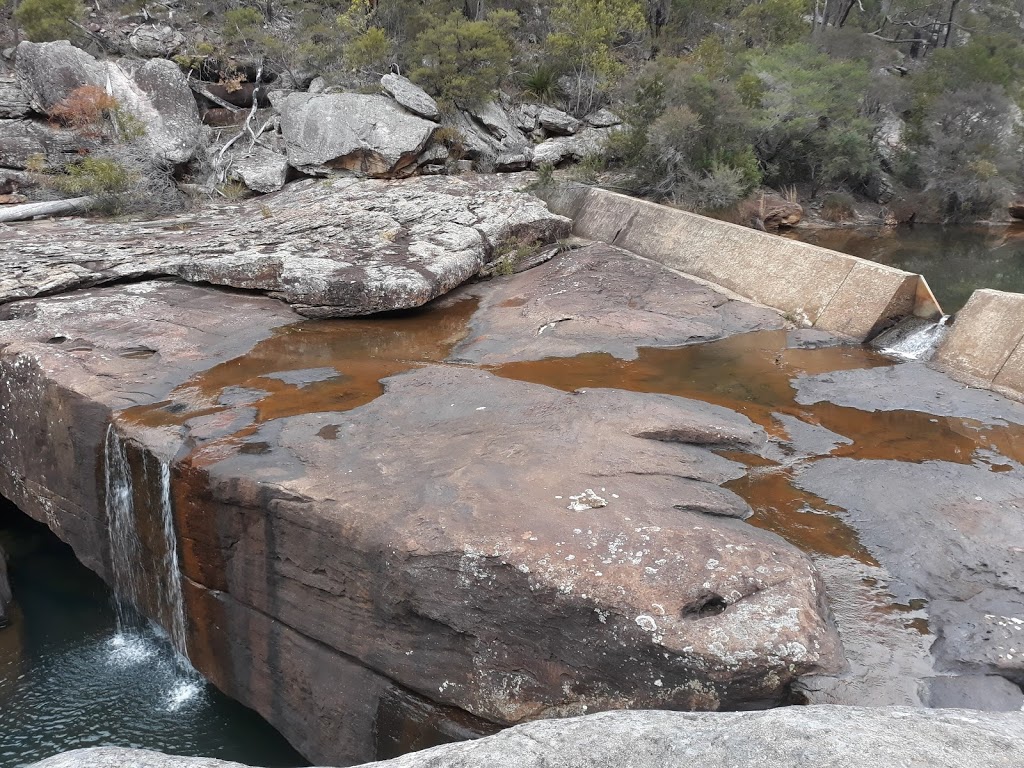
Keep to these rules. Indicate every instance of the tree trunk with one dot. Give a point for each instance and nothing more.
(49, 208)
(949, 22)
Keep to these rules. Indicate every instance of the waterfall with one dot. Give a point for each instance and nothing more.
(171, 596)
(129, 565)
(125, 548)
(913, 338)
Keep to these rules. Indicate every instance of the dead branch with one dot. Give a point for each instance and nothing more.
(50, 208)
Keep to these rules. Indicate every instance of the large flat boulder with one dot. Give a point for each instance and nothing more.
(367, 134)
(353, 506)
(600, 298)
(154, 92)
(334, 248)
(838, 737)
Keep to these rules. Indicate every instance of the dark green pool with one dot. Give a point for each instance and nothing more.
(954, 260)
(69, 680)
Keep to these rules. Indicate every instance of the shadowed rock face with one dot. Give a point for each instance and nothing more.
(330, 249)
(365, 528)
(5, 591)
(351, 131)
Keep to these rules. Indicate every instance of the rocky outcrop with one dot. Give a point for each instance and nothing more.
(410, 96)
(1016, 209)
(5, 591)
(561, 149)
(334, 248)
(370, 135)
(776, 213)
(155, 40)
(154, 92)
(13, 101)
(260, 169)
(839, 737)
(24, 142)
(557, 122)
(363, 524)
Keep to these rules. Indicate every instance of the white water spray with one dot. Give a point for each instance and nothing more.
(134, 642)
(913, 339)
(172, 601)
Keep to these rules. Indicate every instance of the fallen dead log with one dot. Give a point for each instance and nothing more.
(48, 208)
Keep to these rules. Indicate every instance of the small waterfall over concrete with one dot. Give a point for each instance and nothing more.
(913, 338)
(135, 567)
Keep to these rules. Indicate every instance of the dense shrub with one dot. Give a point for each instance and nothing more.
(45, 20)
(838, 207)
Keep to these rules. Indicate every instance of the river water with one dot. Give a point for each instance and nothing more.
(69, 679)
(954, 260)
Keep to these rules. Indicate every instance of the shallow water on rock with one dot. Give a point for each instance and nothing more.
(66, 680)
(885, 629)
(69, 679)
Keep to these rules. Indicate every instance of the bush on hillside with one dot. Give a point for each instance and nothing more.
(46, 20)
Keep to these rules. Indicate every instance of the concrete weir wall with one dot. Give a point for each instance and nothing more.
(985, 345)
(826, 289)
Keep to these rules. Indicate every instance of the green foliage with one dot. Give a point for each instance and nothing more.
(463, 62)
(370, 51)
(689, 137)
(813, 125)
(45, 20)
(583, 39)
(838, 207)
(242, 25)
(971, 159)
(772, 23)
(542, 83)
(95, 176)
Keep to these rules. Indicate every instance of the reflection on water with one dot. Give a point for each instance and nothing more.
(954, 260)
(68, 679)
(324, 365)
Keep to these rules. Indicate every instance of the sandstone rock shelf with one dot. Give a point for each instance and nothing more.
(841, 737)
(445, 539)
(333, 248)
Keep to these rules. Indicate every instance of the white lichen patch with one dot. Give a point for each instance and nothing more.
(581, 502)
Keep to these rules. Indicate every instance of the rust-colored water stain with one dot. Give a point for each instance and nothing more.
(752, 374)
(357, 354)
(803, 519)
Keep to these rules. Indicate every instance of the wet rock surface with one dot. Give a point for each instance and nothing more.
(348, 501)
(332, 248)
(5, 591)
(600, 299)
(843, 737)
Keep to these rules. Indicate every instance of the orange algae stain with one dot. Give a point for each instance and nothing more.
(308, 367)
(753, 374)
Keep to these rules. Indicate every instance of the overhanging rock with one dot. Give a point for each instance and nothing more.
(813, 286)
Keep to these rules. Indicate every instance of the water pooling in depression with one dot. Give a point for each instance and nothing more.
(70, 678)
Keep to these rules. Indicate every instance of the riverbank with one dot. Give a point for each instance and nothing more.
(594, 484)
